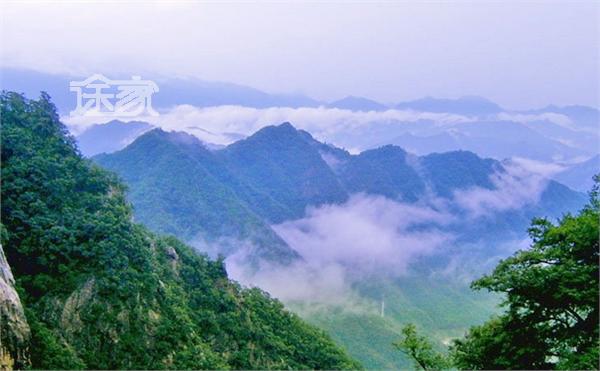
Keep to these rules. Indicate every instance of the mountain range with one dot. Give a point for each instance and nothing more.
(565, 135)
(579, 176)
(248, 197)
(173, 91)
(178, 186)
(227, 200)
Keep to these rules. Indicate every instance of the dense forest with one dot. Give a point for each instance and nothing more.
(101, 292)
(551, 305)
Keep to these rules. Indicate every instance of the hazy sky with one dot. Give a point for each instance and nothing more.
(519, 54)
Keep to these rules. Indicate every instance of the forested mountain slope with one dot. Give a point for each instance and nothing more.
(280, 172)
(275, 174)
(279, 161)
(179, 187)
(102, 292)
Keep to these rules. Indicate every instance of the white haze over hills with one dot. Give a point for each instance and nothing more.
(221, 113)
(547, 136)
(372, 235)
(557, 142)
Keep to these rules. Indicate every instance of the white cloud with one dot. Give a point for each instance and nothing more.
(366, 233)
(357, 131)
(545, 169)
(214, 124)
(555, 118)
(513, 189)
(341, 244)
(372, 235)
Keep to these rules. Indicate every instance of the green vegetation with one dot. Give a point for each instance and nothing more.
(442, 309)
(280, 161)
(102, 292)
(420, 350)
(384, 171)
(551, 300)
(458, 170)
(178, 187)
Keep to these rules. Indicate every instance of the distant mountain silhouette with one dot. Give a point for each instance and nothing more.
(468, 105)
(357, 104)
(110, 137)
(173, 91)
(580, 176)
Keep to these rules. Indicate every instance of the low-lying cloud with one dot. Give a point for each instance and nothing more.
(217, 124)
(340, 244)
(353, 130)
(513, 189)
(366, 233)
(372, 235)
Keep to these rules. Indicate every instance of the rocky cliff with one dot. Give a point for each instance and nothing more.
(14, 330)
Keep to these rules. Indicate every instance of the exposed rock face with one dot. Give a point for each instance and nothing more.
(70, 319)
(173, 258)
(14, 330)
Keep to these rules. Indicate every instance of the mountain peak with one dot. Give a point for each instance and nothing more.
(354, 103)
(110, 137)
(465, 105)
(286, 125)
(282, 132)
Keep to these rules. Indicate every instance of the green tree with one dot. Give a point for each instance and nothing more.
(551, 299)
(420, 350)
(551, 291)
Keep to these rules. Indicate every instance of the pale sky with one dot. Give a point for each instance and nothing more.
(521, 54)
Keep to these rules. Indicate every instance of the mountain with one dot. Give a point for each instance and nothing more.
(101, 292)
(468, 105)
(110, 137)
(279, 161)
(202, 93)
(173, 91)
(496, 139)
(357, 104)
(580, 176)
(391, 172)
(14, 328)
(458, 170)
(277, 173)
(588, 117)
(552, 133)
(384, 171)
(206, 206)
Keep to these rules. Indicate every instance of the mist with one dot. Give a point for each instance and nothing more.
(370, 235)
(356, 131)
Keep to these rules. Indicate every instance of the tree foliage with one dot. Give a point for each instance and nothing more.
(420, 350)
(551, 300)
(551, 290)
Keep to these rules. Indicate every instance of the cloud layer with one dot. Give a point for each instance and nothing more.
(372, 235)
(358, 130)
